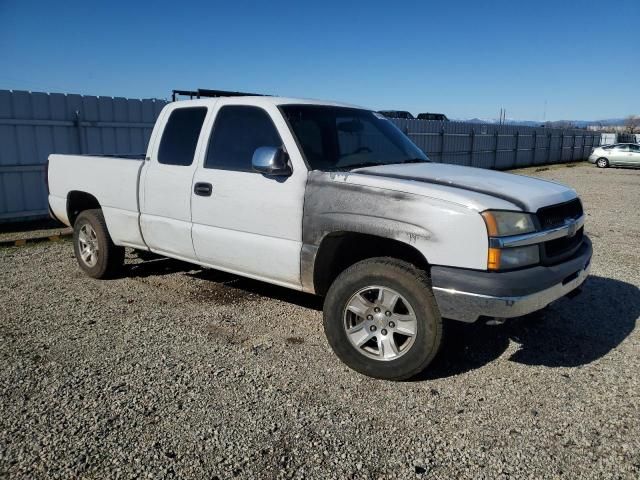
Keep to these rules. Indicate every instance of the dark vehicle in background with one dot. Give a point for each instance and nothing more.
(397, 114)
(616, 155)
(441, 117)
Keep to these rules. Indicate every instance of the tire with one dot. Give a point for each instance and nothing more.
(386, 351)
(602, 162)
(95, 252)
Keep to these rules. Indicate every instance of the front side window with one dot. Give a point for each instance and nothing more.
(238, 132)
(622, 148)
(634, 148)
(341, 138)
(180, 136)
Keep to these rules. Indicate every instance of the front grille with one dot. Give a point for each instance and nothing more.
(555, 215)
(564, 246)
(556, 251)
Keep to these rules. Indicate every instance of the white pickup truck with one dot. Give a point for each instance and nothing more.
(333, 200)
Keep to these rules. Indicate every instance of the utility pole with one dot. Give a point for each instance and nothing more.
(503, 116)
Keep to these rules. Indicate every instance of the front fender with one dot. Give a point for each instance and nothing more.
(445, 233)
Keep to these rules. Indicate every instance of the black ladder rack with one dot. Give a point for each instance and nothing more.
(204, 92)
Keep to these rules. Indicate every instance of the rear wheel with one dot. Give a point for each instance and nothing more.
(602, 162)
(95, 252)
(381, 319)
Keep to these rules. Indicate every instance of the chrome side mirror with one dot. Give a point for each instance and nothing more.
(271, 161)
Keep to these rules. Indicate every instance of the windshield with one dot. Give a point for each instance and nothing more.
(340, 138)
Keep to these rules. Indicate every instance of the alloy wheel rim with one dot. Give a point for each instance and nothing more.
(380, 323)
(88, 245)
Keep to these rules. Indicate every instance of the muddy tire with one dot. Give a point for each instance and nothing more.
(95, 252)
(381, 319)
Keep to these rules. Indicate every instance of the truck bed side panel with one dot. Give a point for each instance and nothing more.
(113, 181)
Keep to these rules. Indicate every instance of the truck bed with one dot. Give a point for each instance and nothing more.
(112, 180)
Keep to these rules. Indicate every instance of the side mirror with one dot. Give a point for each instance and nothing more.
(271, 161)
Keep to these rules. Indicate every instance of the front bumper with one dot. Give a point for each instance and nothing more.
(466, 295)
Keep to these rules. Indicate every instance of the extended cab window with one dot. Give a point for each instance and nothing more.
(238, 131)
(180, 137)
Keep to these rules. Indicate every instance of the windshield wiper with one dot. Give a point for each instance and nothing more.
(378, 164)
(359, 165)
(416, 160)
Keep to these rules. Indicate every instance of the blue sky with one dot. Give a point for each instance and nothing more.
(466, 59)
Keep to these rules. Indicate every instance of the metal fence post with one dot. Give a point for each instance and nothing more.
(473, 144)
(549, 137)
(573, 148)
(78, 123)
(442, 133)
(495, 152)
(533, 149)
(515, 160)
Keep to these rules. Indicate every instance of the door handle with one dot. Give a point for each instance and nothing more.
(203, 189)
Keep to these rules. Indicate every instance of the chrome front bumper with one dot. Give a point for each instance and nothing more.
(468, 306)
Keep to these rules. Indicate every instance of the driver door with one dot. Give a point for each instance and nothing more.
(243, 221)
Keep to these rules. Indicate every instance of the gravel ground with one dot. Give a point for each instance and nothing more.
(177, 372)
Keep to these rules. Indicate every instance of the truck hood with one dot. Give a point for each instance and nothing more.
(526, 193)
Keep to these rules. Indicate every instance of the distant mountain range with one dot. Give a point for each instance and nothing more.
(532, 123)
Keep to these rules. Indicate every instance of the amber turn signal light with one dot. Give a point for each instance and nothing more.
(493, 260)
(492, 224)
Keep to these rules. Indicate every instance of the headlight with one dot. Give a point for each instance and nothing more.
(508, 258)
(503, 223)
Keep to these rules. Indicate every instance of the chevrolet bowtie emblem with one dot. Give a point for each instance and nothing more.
(572, 227)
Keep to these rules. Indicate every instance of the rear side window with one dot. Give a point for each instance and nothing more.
(238, 131)
(180, 136)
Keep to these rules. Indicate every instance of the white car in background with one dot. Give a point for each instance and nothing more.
(616, 155)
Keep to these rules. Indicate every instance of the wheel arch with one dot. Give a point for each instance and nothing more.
(79, 201)
(339, 250)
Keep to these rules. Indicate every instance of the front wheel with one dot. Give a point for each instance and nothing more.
(602, 163)
(95, 252)
(381, 319)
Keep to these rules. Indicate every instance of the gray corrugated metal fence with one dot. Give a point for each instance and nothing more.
(625, 137)
(497, 146)
(33, 125)
(607, 138)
